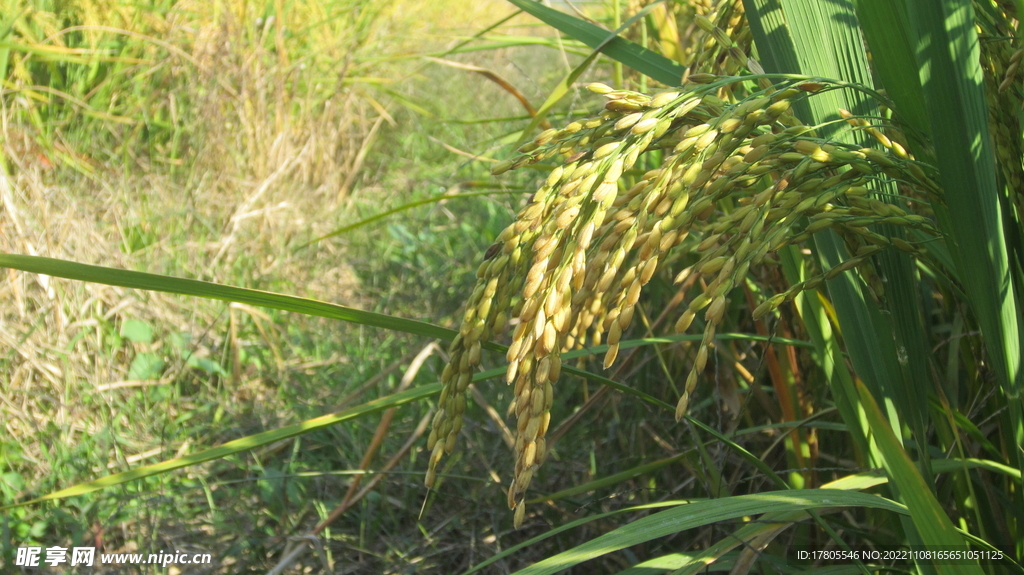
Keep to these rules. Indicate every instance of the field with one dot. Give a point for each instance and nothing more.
(203, 141)
(269, 267)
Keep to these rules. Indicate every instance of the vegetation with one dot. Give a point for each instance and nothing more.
(830, 194)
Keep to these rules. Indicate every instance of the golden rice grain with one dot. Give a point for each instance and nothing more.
(571, 269)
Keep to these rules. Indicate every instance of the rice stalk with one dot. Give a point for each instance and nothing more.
(1000, 59)
(569, 271)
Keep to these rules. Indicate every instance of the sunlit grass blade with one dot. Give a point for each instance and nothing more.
(932, 524)
(886, 30)
(147, 281)
(240, 445)
(668, 32)
(767, 526)
(704, 513)
(566, 527)
(661, 565)
(771, 524)
(947, 52)
(574, 26)
(954, 465)
(647, 62)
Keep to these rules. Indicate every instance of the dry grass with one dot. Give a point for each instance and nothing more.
(239, 152)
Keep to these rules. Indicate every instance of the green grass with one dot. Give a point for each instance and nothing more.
(107, 379)
(149, 420)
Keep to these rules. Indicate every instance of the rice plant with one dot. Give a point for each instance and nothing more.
(748, 165)
(838, 185)
(571, 268)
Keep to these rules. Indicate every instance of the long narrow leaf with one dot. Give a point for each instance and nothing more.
(573, 26)
(647, 62)
(950, 72)
(932, 523)
(567, 527)
(240, 445)
(154, 282)
(704, 513)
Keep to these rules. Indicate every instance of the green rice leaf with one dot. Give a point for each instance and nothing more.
(886, 28)
(647, 62)
(704, 513)
(932, 523)
(154, 282)
(566, 527)
(577, 26)
(823, 39)
(947, 50)
(240, 445)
